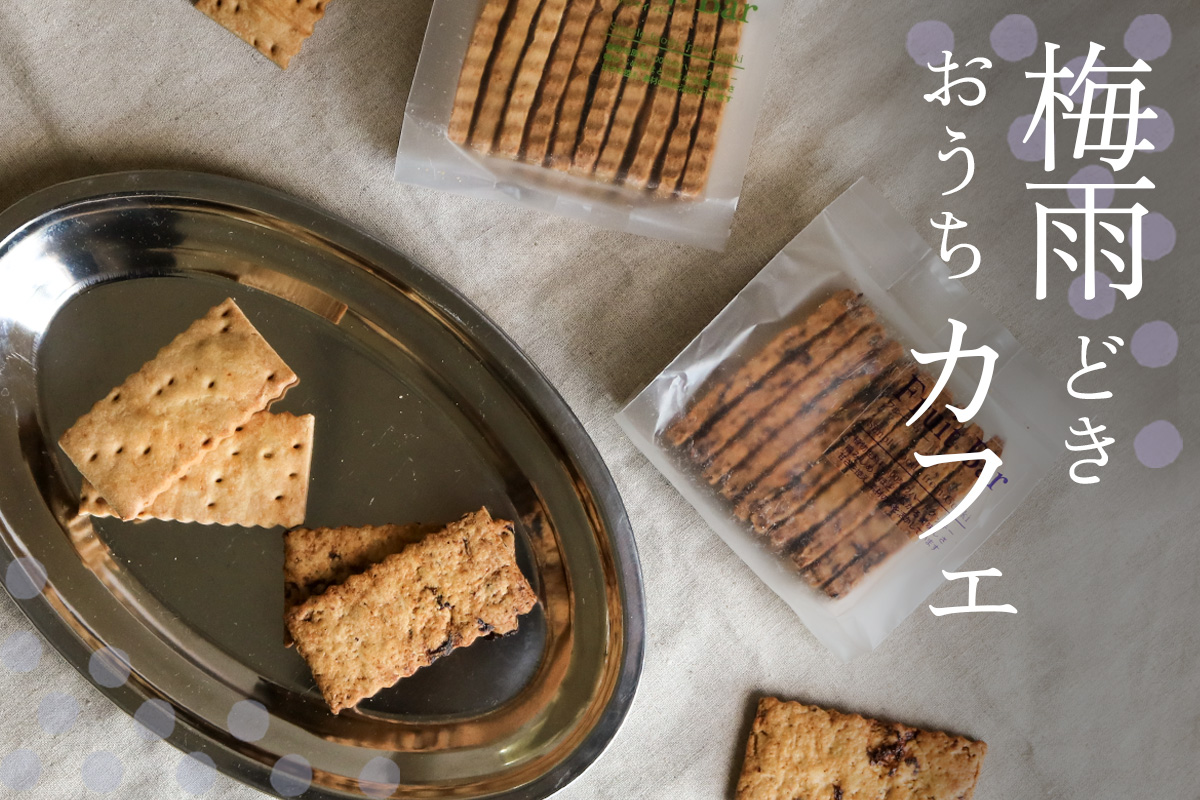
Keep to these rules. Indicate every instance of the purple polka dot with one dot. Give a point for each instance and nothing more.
(1148, 37)
(1035, 148)
(927, 40)
(1158, 444)
(1098, 74)
(1099, 306)
(1155, 344)
(1160, 131)
(1015, 37)
(1092, 173)
(1158, 236)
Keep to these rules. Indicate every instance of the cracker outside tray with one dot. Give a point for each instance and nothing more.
(146, 433)
(276, 28)
(257, 477)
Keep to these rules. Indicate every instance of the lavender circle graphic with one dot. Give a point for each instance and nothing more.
(1148, 37)
(1015, 37)
(1155, 344)
(196, 773)
(1099, 74)
(1160, 131)
(248, 720)
(109, 667)
(102, 772)
(155, 720)
(1158, 236)
(1035, 148)
(291, 775)
(1158, 444)
(21, 652)
(20, 770)
(379, 778)
(25, 578)
(57, 713)
(1093, 173)
(1099, 306)
(927, 40)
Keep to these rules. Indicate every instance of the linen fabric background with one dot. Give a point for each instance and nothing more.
(1088, 692)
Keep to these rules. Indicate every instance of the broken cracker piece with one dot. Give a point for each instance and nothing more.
(276, 28)
(410, 609)
(136, 442)
(258, 477)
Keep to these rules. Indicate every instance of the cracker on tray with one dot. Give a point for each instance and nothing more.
(403, 613)
(146, 433)
(257, 477)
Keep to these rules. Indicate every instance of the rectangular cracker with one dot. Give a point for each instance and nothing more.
(575, 25)
(529, 77)
(470, 79)
(575, 98)
(317, 558)
(501, 73)
(276, 28)
(605, 96)
(664, 99)
(637, 85)
(708, 127)
(151, 429)
(674, 157)
(257, 477)
(783, 347)
(413, 607)
(802, 751)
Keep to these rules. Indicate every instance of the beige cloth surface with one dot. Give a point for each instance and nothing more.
(1089, 692)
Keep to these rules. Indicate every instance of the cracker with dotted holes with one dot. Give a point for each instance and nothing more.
(316, 558)
(410, 609)
(276, 28)
(146, 433)
(258, 477)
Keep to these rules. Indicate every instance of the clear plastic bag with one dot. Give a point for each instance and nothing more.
(636, 116)
(784, 423)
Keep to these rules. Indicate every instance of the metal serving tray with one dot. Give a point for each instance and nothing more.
(425, 411)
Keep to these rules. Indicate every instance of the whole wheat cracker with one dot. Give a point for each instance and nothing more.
(316, 558)
(558, 72)
(470, 79)
(664, 99)
(500, 74)
(529, 77)
(144, 434)
(629, 108)
(276, 28)
(699, 163)
(606, 94)
(575, 98)
(413, 607)
(801, 751)
(257, 477)
(674, 157)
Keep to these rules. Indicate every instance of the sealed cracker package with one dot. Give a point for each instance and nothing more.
(635, 115)
(786, 423)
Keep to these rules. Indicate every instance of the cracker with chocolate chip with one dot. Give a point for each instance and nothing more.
(802, 751)
(410, 609)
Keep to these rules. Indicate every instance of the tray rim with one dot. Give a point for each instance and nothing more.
(394, 267)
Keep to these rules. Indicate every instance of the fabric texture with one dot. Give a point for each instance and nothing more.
(1087, 692)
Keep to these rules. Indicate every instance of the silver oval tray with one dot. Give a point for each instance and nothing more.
(425, 411)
